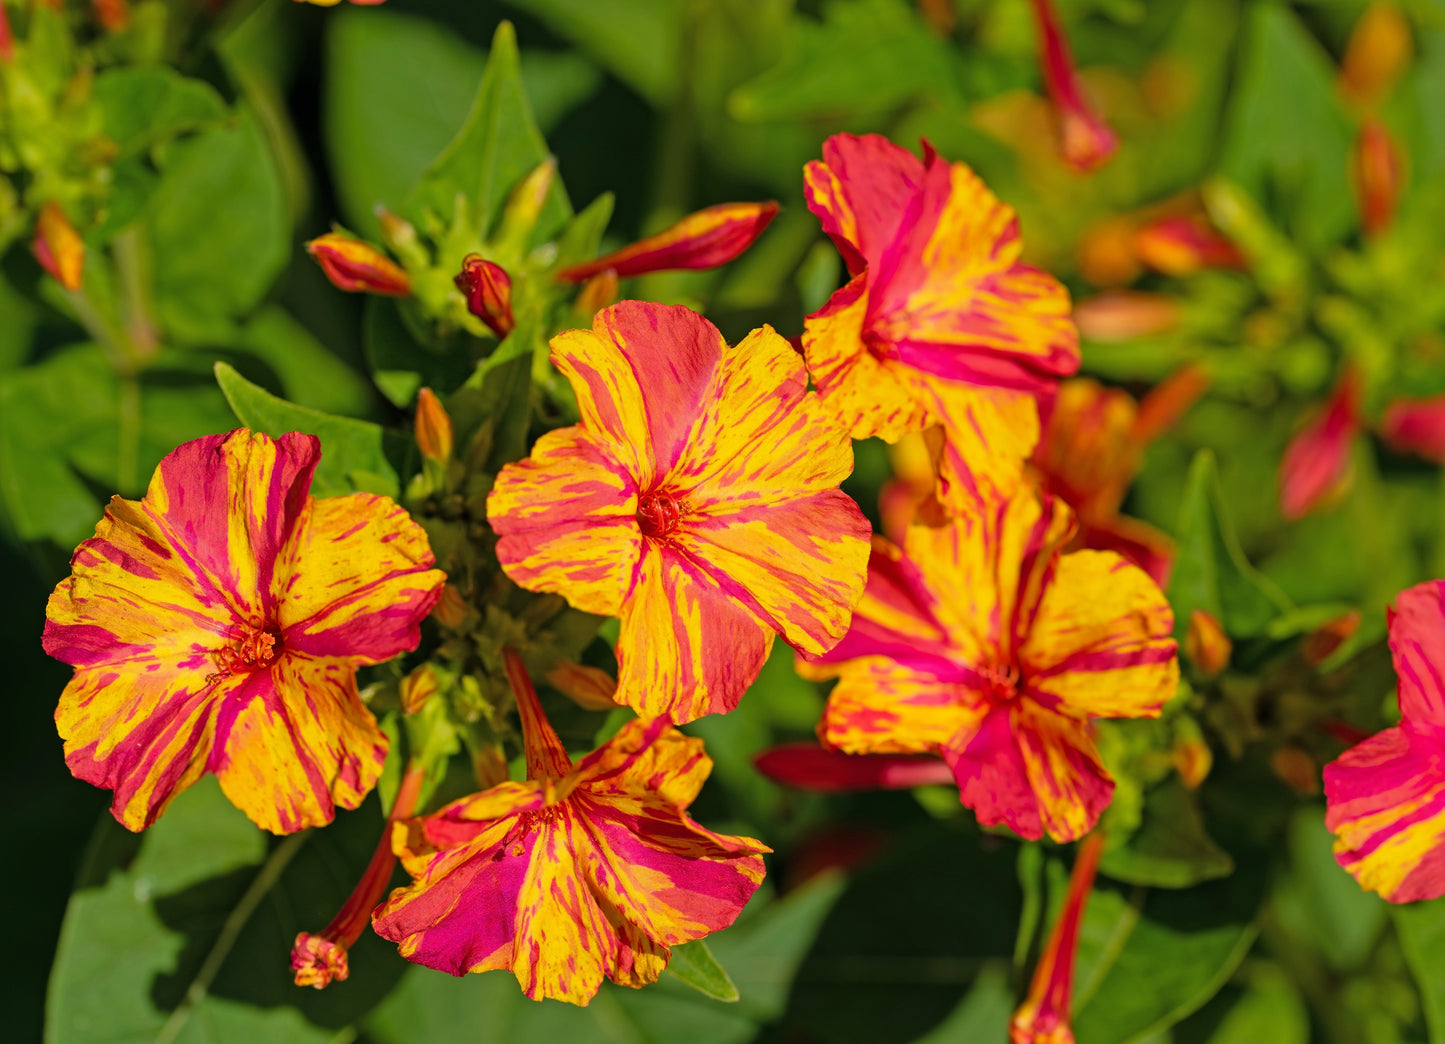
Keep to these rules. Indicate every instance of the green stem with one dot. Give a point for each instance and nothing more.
(132, 263)
(101, 331)
(265, 880)
(127, 452)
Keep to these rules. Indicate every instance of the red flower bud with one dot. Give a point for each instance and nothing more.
(1206, 644)
(1378, 51)
(433, 427)
(1086, 141)
(1378, 172)
(812, 767)
(113, 15)
(1416, 426)
(7, 39)
(1180, 245)
(705, 239)
(488, 290)
(358, 267)
(1317, 461)
(58, 247)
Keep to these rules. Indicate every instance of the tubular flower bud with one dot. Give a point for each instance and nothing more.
(488, 290)
(58, 247)
(1320, 644)
(705, 239)
(1378, 170)
(113, 15)
(451, 609)
(1316, 463)
(1297, 768)
(939, 14)
(1043, 1017)
(418, 687)
(1180, 245)
(358, 267)
(527, 199)
(320, 960)
(1086, 141)
(433, 427)
(597, 293)
(1378, 51)
(1123, 315)
(1416, 426)
(1206, 645)
(7, 39)
(588, 687)
(1192, 759)
(811, 767)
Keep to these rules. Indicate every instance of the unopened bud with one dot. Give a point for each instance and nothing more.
(588, 687)
(113, 15)
(433, 427)
(418, 687)
(1320, 644)
(451, 609)
(526, 201)
(1297, 768)
(7, 39)
(939, 14)
(1378, 51)
(1193, 760)
(705, 239)
(1378, 171)
(358, 267)
(1315, 468)
(58, 247)
(1086, 141)
(1123, 315)
(1180, 245)
(1106, 253)
(1206, 644)
(597, 293)
(488, 290)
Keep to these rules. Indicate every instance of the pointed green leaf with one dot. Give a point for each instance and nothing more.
(351, 450)
(695, 965)
(1171, 848)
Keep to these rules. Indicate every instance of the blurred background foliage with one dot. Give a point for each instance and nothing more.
(201, 145)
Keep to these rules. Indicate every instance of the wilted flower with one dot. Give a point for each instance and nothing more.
(1316, 463)
(698, 499)
(488, 290)
(358, 267)
(575, 874)
(216, 626)
(705, 239)
(1085, 141)
(983, 644)
(940, 323)
(1384, 796)
(58, 247)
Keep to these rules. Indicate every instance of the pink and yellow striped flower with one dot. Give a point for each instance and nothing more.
(579, 873)
(980, 642)
(1386, 797)
(698, 500)
(941, 322)
(216, 626)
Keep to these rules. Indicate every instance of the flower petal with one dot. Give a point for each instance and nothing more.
(880, 706)
(812, 767)
(799, 565)
(1101, 641)
(1386, 805)
(295, 742)
(651, 755)
(686, 648)
(862, 192)
(355, 580)
(1417, 645)
(988, 435)
(567, 518)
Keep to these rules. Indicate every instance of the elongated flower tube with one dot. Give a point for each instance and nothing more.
(698, 500)
(940, 323)
(1315, 468)
(579, 873)
(358, 267)
(319, 959)
(216, 626)
(1416, 426)
(706, 239)
(58, 247)
(981, 643)
(1385, 798)
(1086, 142)
(812, 767)
(1043, 1017)
(433, 427)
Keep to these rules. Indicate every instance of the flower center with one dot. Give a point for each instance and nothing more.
(254, 649)
(658, 513)
(1001, 683)
(528, 821)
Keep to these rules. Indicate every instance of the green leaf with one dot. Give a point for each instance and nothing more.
(1320, 903)
(1286, 136)
(397, 88)
(142, 106)
(1210, 570)
(311, 374)
(1149, 958)
(353, 453)
(865, 58)
(219, 229)
(1266, 1007)
(694, 964)
(582, 238)
(401, 363)
(1171, 848)
(1421, 927)
(497, 147)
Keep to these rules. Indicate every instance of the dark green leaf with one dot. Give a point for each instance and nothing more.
(142, 106)
(311, 374)
(401, 364)
(350, 449)
(1171, 848)
(1210, 571)
(694, 964)
(1421, 927)
(1317, 901)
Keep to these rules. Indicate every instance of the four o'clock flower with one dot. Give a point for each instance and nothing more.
(488, 290)
(1386, 797)
(698, 500)
(216, 626)
(358, 267)
(579, 873)
(1086, 141)
(706, 239)
(980, 642)
(940, 323)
